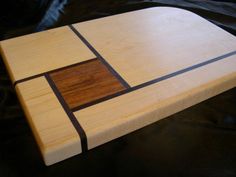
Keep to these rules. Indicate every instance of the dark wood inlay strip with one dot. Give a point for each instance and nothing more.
(76, 124)
(109, 67)
(162, 78)
(51, 71)
(27, 78)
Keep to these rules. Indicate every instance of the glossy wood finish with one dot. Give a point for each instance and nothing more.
(85, 83)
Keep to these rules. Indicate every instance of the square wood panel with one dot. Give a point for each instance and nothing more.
(85, 83)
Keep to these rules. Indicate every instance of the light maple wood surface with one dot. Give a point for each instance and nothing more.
(147, 44)
(36, 53)
(54, 132)
(121, 115)
(140, 46)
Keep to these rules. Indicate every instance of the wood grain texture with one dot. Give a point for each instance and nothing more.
(140, 46)
(84, 83)
(150, 43)
(33, 54)
(55, 134)
(121, 115)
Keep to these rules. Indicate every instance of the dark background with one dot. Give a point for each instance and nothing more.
(199, 141)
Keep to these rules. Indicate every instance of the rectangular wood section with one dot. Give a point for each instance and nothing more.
(54, 132)
(89, 83)
(121, 115)
(86, 82)
(36, 53)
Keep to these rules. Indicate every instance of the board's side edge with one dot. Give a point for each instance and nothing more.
(164, 109)
(4, 57)
(50, 155)
(30, 122)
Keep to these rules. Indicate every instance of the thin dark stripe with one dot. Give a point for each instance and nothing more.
(27, 78)
(109, 67)
(70, 114)
(165, 77)
(51, 71)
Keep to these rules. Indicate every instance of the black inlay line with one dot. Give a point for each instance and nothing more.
(162, 78)
(109, 67)
(70, 114)
(51, 71)
(28, 78)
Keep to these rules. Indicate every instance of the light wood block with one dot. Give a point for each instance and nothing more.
(85, 84)
(54, 132)
(44, 51)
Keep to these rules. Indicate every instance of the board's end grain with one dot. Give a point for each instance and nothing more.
(4, 57)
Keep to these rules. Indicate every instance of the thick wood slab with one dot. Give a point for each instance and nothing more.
(85, 84)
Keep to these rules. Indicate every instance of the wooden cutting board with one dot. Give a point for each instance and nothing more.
(85, 84)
